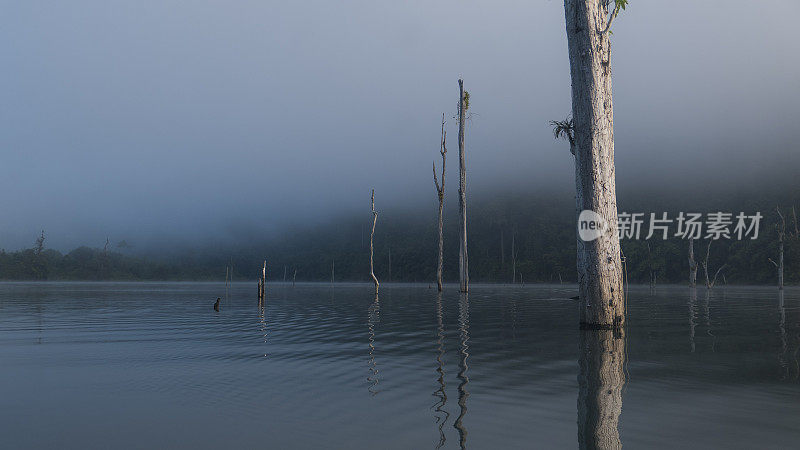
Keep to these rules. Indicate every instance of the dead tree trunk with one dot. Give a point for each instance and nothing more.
(371, 237)
(600, 380)
(440, 195)
(781, 229)
(463, 260)
(513, 258)
(294, 277)
(262, 283)
(692, 265)
(599, 263)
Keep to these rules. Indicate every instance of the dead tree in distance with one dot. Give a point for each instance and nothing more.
(440, 195)
(262, 283)
(711, 282)
(692, 265)
(371, 237)
(599, 263)
(781, 230)
(463, 260)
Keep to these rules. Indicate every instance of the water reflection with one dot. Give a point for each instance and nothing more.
(440, 413)
(707, 312)
(262, 320)
(373, 318)
(692, 315)
(463, 394)
(600, 380)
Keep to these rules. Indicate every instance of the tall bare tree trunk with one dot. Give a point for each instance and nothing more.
(600, 379)
(440, 195)
(692, 265)
(780, 264)
(371, 237)
(781, 229)
(598, 261)
(463, 260)
(513, 258)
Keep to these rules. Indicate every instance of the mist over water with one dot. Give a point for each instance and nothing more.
(164, 122)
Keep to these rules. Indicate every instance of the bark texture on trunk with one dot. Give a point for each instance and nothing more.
(463, 260)
(598, 261)
(371, 236)
(692, 265)
(600, 380)
(440, 195)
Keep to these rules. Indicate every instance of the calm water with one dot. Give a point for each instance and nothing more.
(149, 365)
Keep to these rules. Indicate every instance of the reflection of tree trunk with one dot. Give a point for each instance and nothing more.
(373, 317)
(441, 414)
(707, 310)
(692, 315)
(463, 394)
(601, 377)
(782, 328)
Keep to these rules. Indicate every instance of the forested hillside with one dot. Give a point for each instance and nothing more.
(532, 236)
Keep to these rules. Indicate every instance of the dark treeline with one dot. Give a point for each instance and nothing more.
(523, 238)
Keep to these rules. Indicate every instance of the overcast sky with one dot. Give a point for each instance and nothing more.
(151, 118)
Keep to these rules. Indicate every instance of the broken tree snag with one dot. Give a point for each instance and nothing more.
(262, 283)
(371, 237)
(601, 378)
(440, 195)
(710, 282)
(294, 277)
(599, 261)
(463, 260)
(692, 265)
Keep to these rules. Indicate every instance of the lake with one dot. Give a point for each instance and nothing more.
(152, 365)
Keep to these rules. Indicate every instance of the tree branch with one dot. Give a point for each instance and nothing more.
(611, 19)
(435, 179)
